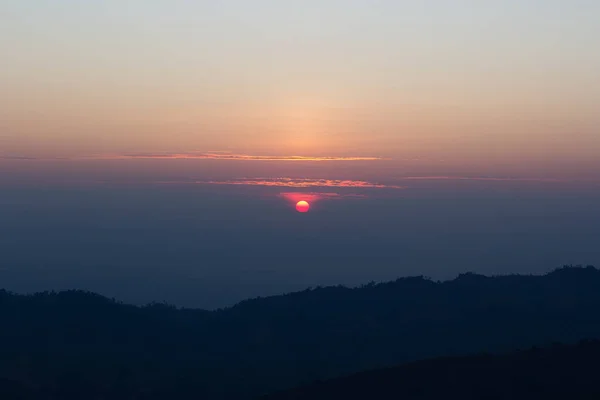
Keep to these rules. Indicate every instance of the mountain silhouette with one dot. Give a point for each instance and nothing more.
(76, 344)
(556, 372)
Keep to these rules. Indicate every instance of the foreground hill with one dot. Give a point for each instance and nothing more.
(557, 372)
(76, 345)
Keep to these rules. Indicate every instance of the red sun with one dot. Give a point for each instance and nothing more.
(302, 206)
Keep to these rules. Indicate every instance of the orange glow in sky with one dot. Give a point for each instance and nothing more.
(435, 88)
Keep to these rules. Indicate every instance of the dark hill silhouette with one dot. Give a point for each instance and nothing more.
(554, 373)
(13, 390)
(81, 345)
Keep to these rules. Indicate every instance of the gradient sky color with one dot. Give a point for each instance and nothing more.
(507, 81)
(155, 150)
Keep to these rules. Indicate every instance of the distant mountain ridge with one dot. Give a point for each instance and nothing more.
(555, 372)
(74, 344)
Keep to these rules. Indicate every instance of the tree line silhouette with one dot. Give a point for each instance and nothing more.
(75, 344)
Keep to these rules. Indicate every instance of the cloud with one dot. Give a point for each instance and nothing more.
(303, 183)
(16, 158)
(476, 178)
(228, 157)
(213, 155)
(311, 197)
(28, 158)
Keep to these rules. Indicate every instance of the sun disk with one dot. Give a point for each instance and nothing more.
(302, 206)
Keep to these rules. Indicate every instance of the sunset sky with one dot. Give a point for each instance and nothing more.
(352, 102)
(516, 80)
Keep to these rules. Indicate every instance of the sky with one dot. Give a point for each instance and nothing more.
(154, 150)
